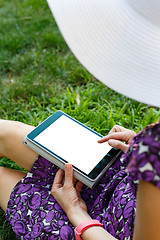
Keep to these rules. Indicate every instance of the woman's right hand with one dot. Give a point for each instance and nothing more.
(117, 136)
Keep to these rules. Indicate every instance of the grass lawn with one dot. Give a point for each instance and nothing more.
(39, 75)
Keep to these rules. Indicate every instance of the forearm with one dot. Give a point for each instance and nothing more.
(73, 205)
(95, 233)
(77, 216)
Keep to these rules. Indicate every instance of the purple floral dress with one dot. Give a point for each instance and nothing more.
(34, 214)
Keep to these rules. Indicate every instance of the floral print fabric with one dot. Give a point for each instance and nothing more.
(34, 214)
(144, 154)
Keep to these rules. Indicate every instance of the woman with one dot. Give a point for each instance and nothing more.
(118, 42)
(35, 214)
(120, 46)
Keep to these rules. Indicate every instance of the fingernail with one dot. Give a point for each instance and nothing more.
(69, 166)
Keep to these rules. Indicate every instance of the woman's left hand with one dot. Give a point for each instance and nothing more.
(65, 193)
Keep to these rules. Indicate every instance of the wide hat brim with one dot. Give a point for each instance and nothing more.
(117, 41)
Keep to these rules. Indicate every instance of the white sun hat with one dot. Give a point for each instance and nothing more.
(117, 41)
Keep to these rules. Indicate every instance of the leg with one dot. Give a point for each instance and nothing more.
(9, 178)
(11, 146)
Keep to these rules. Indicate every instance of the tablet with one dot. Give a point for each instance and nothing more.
(62, 139)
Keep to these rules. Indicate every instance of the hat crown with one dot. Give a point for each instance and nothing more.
(150, 9)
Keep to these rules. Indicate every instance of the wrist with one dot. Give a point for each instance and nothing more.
(77, 215)
(81, 228)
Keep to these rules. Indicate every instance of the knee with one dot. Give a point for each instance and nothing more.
(6, 126)
(2, 174)
(7, 130)
(6, 137)
(2, 171)
(5, 174)
(11, 136)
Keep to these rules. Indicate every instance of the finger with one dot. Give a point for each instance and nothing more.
(102, 140)
(79, 186)
(68, 175)
(75, 183)
(116, 135)
(74, 180)
(118, 144)
(58, 180)
(117, 128)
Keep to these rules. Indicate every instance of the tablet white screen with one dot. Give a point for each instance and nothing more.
(74, 143)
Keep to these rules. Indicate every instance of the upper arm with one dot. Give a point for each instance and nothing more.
(147, 222)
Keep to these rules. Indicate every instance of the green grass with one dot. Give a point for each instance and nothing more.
(39, 75)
